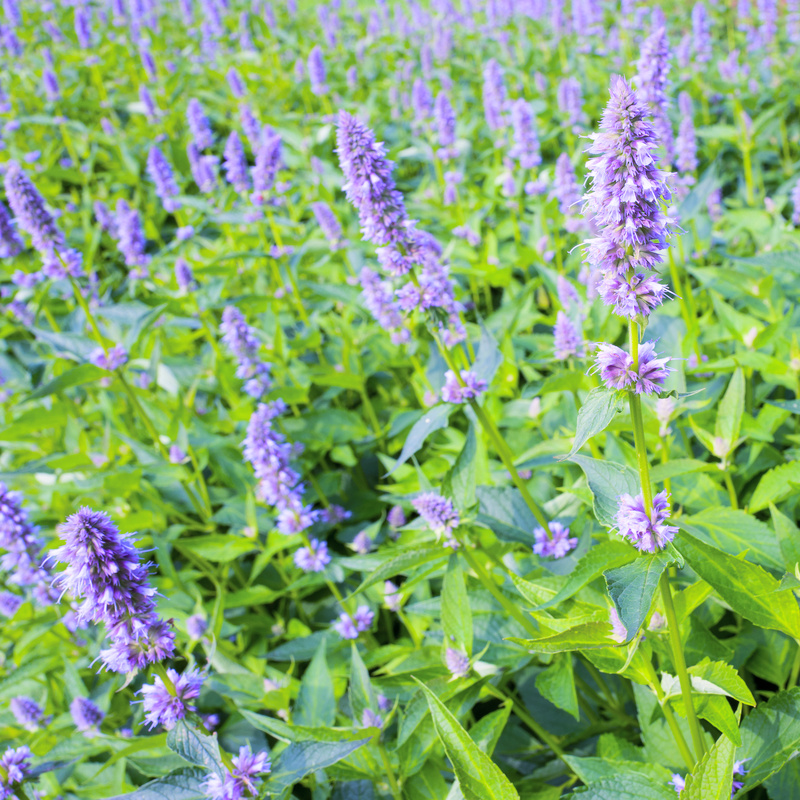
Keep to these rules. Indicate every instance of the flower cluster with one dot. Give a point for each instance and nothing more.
(243, 344)
(646, 531)
(468, 387)
(15, 766)
(103, 568)
(440, 515)
(86, 715)
(278, 484)
(243, 781)
(369, 186)
(555, 546)
(617, 369)
(164, 179)
(313, 558)
(349, 627)
(165, 705)
(653, 86)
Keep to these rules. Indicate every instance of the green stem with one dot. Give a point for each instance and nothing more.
(666, 592)
(655, 685)
(394, 787)
(731, 490)
(680, 667)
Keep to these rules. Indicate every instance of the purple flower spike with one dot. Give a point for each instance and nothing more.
(445, 123)
(162, 176)
(235, 164)
(10, 243)
(103, 568)
(617, 371)
(162, 707)
(268, 162)
(653, 66)
(457, 662)
(632, 297)
(9, 604)
(567, 339)
(558, 546)
(526, 142)
(199, 125)
(438, 512)
(30, 211)
(316, 71)
(86, 715)
(455, 392)
(243, 781)
(647, 532)
(328, 223)
(116, 357)
(130, 236)
(16, 767)
(313, 558)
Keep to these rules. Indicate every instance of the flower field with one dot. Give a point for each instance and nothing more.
(399, 400)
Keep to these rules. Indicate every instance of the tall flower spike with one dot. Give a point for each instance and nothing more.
(567, 340)
(162, 176)
(103, 568)
(627, 191)
(235, 164)
(494, 95)
(445, 122)
(199, 125)
(653, 86)
(526, 142)
(30, 211)
(316, 71)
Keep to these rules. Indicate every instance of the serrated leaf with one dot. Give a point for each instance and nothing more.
(607, 481)
(770, 736)
(632, 586)
(183, 784)
(582, 637)
(196, 747)
(788, 538)
(747, 588)
(602, 556)
(725, 677)
(302, 758)
(712, 778)
(628, 787)
(456, 613)
(595, 415)
(402, 563)
(316, 704)
(556, 683)
(775, 486)
(730, 411)
(479, 777)
(432, 420)
(504, 511)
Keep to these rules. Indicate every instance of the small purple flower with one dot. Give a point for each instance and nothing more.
(567, 339)
(363, 618)
(345, 627)
(421, 100)
(328, 223)
(796, 203)
(370, 719)
(162, 176)
(184, 233)
(617, 370)
(647, 532)
(112, 360)
(335, 514)
(316, 71)
(313, 558)
(470, 386)
(176, 454)
(235, 164)
(196, 626)
(199, 125)
(235, 83)
(9, 604)
(151, 111)
(391, 596)
(130, 236)
(494, 95)
(526, 142)
(634, 296)
(438, 512)
(15, 764)
(445, 124)
(162, 707)
(558, 546)
(457, 662)
(27, 713)
(250, 125)
(10, 243)
(30, 211)
(362, 543)
(243, 781)
(203, 169)
(183, 273)
(86, 715)
(396, 518)
(570, 102)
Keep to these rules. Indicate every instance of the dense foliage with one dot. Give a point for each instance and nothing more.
(399, 400)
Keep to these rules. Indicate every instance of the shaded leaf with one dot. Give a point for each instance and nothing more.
(607, 481)
(432, 420)
(632, 587)
(598, 409)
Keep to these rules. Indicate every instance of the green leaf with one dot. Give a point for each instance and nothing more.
(489, 356)
(479, 777)
(775, 486)
(607, 481)
(362, 695)
(730, 411)
(735, 532)
(299, 733)
(582, 637)
(76, 376)
(725, 677)
(602, 556)
(433, 419)
(557, 684)
(461, 477)
(402, 563)
(712, 778)
(770, 736)
(593, 769)
(632, 587)
(316, 703)
(504, 511)
(747, 588)
(196, 747)
(788, 538)
(182, 784)
(456, 613)
(674, 468)
(302, 758)
(628, 787)
(219, 547)
(598, 409)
